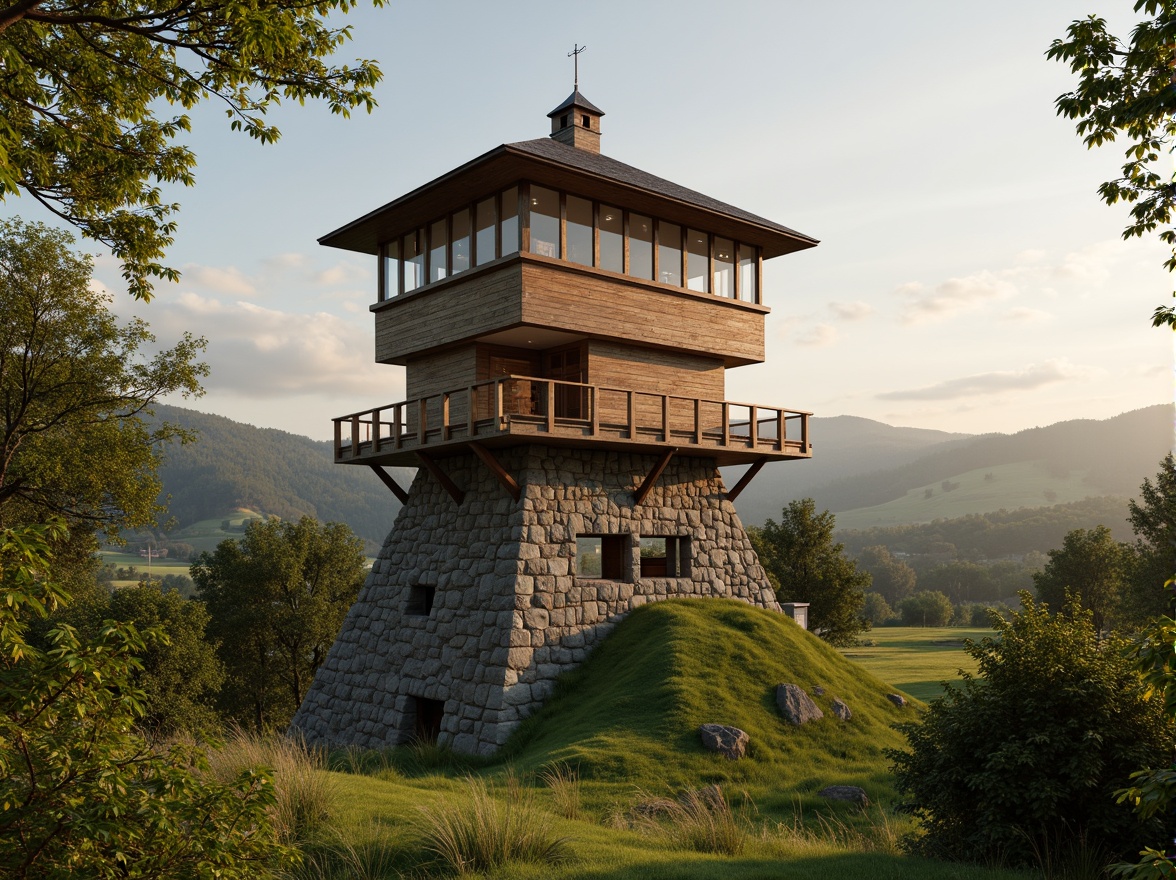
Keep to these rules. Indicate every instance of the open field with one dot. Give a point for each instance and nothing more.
(917, 660)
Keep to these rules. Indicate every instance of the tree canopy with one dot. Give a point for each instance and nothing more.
(86, 84)
(1125, 89)
(74, 387)
(806, 565)
(1090, 566)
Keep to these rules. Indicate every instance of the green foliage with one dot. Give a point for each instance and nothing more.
(277, 599)
(806, 565)
(1091, 566)
(1153, 517)
(74, 390)
(877, 610)
(1032, 748)
(83, 86)
(1125, 88)
(926, 608)
(891, 577)
(80, 793)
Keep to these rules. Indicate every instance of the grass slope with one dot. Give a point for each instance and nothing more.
(631, 713)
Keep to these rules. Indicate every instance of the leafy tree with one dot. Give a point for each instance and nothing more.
(179, 676)
(961, 582)
(1031, 749)
(1125, 88)
(1091, 565)
(806, 565)
(1153, 518)
(81, 795)
(84, 86)
(893, 578)
(926, 608)
(277, 599)
(74, 388)
(877, 610)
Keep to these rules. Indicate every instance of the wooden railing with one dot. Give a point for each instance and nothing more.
(529, 405)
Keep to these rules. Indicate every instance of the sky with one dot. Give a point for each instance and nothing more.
(968, 278)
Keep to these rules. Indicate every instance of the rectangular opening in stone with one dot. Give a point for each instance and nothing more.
(667, 556)
(420, 601)
(601, 556)
(427, 716)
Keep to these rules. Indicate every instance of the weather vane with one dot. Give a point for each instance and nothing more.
(575, 55)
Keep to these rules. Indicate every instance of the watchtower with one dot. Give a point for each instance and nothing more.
(566, 322)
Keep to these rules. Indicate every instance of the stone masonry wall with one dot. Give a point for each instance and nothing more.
(509, 614)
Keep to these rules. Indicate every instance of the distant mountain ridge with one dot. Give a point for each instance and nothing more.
(234, 465)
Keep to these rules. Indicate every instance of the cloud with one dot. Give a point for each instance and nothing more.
(817, 336)
(851, 311)
(287, 261)
(227, 280)
(952, 296)
(1027, 379)
(1024, 313)
(341, 273)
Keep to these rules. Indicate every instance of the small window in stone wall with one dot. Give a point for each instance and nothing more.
(420, 601)
(667, 556)
(601, 556)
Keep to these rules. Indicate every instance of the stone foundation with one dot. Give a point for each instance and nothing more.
(508, 613)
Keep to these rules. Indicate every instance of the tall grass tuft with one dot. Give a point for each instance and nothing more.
(564, 784)
(702, 821)
(373, 858)
(1068, 856)
(875, 832)
(480, 832)
(305, 795)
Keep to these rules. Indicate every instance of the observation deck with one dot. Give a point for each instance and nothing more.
(513, 409)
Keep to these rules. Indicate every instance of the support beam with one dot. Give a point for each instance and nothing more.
(508, 482)
(646, 487)
(387, 480)
(441, 477)
(747, 477)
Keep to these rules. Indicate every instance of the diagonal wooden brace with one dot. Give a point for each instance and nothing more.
(441, 477)
(647, 486)
(747, 477)
(387, 480)
(508, 482)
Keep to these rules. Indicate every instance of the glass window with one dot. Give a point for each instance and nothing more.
(459, 228)
(391, 269)
(697, 260)
(601, 556)
(509, 221)
(579, 230)
(669, 253)
(612, 239)
(724, 267)
(484, 231)
(438, 263)
(747, 267)
(412, 252)
(641, 246)
(544, 221)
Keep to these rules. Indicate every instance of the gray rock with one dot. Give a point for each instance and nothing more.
(850, 793)
(898, 699)
(729, 741)
(818, 691)
(795, 705)
(841, 710)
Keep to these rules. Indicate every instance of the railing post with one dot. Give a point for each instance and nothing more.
(421, 424)
(593, 400)
(753, 426)
(804, 432)
(338, 439)
(632, 416)
(665, 418)
(375, 430)
(445, 427)
(697, 421)
(550, 406)
(398, 423)
(499, 415)
(471, 422)
(726, 423)
(354, 436)
(781, 429)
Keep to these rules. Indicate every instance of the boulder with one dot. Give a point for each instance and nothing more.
(898, 699)
(850, 793)
(818, 691)
(795, 705)
(729, 741)
(841, 710)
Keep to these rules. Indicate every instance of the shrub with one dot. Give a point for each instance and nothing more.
(877, 610)
(1032, 749)
(926, 608)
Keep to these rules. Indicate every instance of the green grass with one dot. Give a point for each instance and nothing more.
(917, 660)
(626, 724)
(985, 490)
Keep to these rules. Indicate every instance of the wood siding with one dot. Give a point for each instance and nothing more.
(444, 371)
(616, 365)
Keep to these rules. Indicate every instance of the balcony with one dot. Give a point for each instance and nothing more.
(523, 409)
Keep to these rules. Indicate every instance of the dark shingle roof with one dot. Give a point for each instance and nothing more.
(575, 99)
(595, 163)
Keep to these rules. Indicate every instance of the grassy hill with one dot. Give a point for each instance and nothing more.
(235, 467)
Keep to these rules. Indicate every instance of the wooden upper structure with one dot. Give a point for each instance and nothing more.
(544, 292)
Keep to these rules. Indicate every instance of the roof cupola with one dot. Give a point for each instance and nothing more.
(576, 122)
